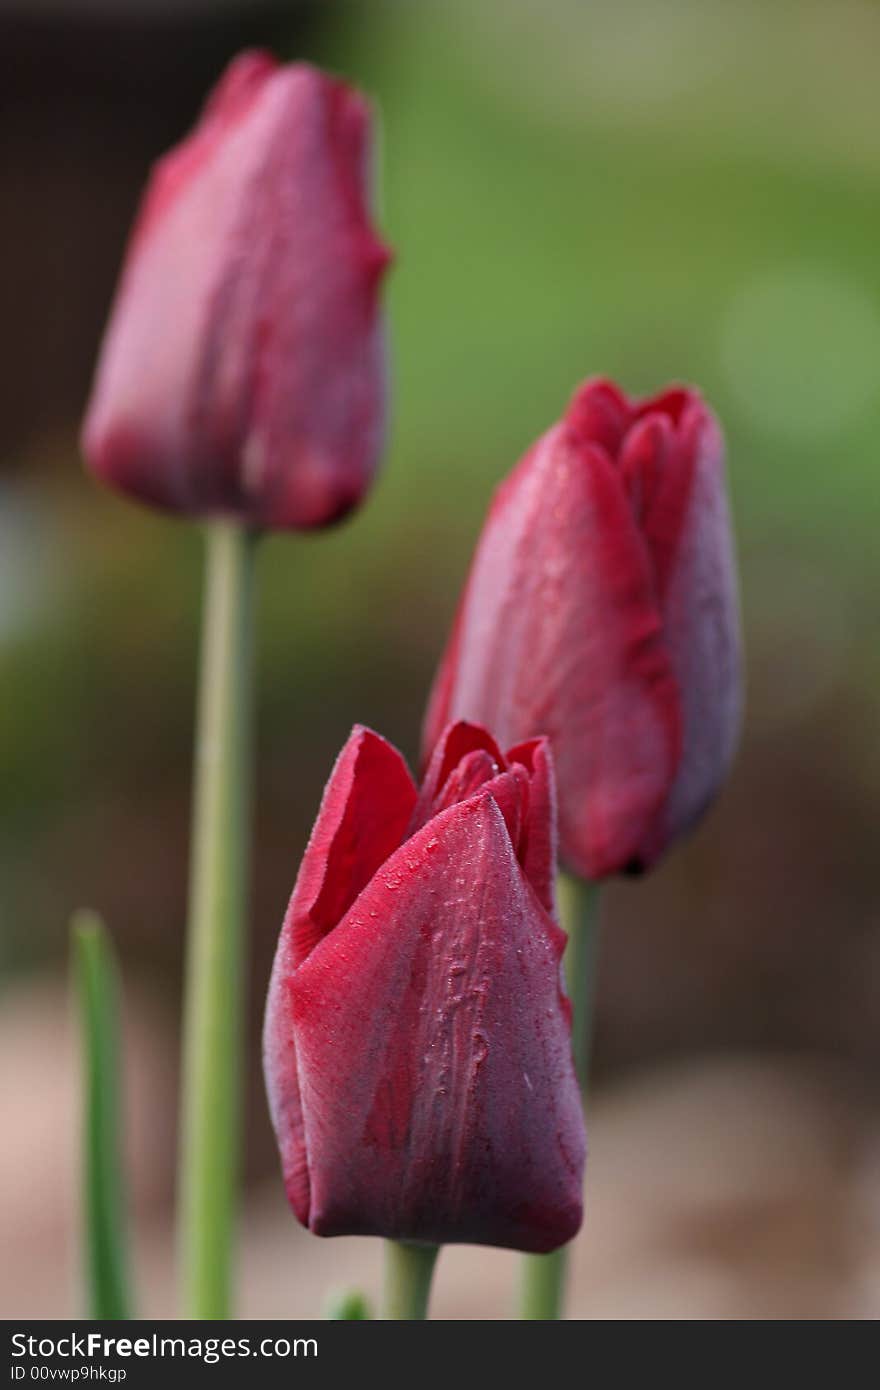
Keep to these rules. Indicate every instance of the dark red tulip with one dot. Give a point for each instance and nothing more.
(417, 1039)
(242, 371)
(601, 610)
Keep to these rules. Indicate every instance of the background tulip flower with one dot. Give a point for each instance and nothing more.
(417, 1039)
(241, 380)
(242, 372)
(601, 610)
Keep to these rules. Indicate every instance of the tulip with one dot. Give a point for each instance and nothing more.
(242, 372)
(417, 1040)
(601, 610)
(240, 381)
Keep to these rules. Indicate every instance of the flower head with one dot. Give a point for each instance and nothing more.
(417, 1038)
(242, 371)
(601, 610)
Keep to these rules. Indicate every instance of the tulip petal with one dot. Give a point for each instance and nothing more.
(364, 812)
(145, 428)
(365, 809)
(649, 465)
(560, 634)
(672, 402)
(433, 1056)
(452, 744)
(474, 771)
(510, 792)
(599, 413)
(282, 1079)
(689, 531)
(317, 420)
(539, 848)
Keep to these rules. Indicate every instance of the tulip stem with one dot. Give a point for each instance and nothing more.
(579, 914)
(408, 1273)
(213, 999)
(542, 1291)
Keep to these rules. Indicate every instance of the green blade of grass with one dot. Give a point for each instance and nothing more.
(105, 1243)
(347, 1305)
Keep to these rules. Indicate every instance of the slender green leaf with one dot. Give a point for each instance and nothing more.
(103, 1187)
(347, 1305)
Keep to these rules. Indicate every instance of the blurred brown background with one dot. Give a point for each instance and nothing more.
(654, 189)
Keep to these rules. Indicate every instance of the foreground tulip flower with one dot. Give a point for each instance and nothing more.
(242, 372)
(601, 610)
(417, 1040)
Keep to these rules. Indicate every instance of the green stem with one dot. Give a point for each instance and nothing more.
(579, 913)
(213, 1001)
(105, 1233)
(408, 1273)
(542, 1292)
(542, 1285)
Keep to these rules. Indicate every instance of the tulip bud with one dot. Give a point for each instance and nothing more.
(417, 1041)
(242, 372)
(601, 610)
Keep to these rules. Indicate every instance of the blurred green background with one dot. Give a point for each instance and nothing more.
(650, 190)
